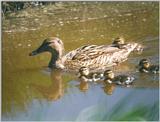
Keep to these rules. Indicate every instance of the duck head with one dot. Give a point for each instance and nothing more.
(118, 41)
(144, 63)
(53, 45)
(108, 74)
(84, 71)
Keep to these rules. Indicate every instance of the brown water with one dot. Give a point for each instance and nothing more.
(31, 92)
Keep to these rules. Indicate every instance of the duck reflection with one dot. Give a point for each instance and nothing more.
(55, 90)
(83, 86)
(109, 88)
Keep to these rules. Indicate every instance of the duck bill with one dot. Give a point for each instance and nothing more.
(33, 53)
(37, 51)
(41, 49)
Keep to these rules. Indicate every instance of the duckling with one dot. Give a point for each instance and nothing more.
(118, 42)
(85, 75)
(119, 80)
(146, 67)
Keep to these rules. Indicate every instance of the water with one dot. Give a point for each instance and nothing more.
(31, 92)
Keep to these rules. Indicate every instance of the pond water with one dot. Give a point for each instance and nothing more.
(31, 92)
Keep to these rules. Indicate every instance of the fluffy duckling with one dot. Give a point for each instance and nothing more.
(119, 80)
(85, 75)
(146, 67)
(118, 42)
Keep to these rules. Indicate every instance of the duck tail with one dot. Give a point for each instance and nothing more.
(134, 47)
(130, 46)
(139, 48)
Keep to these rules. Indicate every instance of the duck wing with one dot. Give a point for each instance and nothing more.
(92, 51)
(74, 53)
(96, 57)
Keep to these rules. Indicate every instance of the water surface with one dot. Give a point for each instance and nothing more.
(31, 92)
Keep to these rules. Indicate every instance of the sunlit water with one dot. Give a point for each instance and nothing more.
(31, 92)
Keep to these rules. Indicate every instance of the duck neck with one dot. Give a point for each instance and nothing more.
(54, 58)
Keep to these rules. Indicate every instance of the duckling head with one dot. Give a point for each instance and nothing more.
(118, 41)
(144, 63)
(141, 61)
(109, 74)
(53, 45)
(84, 71)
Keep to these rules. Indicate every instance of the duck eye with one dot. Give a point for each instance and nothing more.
(59, 41)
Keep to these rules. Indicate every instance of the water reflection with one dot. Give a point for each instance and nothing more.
(83, 86)
(55, 90)
(109, 88)
(30, 94)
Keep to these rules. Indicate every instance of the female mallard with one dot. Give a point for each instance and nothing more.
(92, 56)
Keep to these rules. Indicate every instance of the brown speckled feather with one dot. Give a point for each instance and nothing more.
(97, 57)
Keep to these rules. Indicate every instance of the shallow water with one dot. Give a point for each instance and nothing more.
(31, 92)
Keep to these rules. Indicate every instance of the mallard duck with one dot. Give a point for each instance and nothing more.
(146, 67)
(92, 56)
(85, 75)
(119, 80)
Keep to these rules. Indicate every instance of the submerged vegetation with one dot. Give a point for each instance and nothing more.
(8, 7)
(120, 112)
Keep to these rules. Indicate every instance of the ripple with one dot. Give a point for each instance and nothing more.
(29, 45)
(128, 14)
(19, 44)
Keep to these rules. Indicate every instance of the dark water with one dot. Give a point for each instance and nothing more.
(31, 92)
